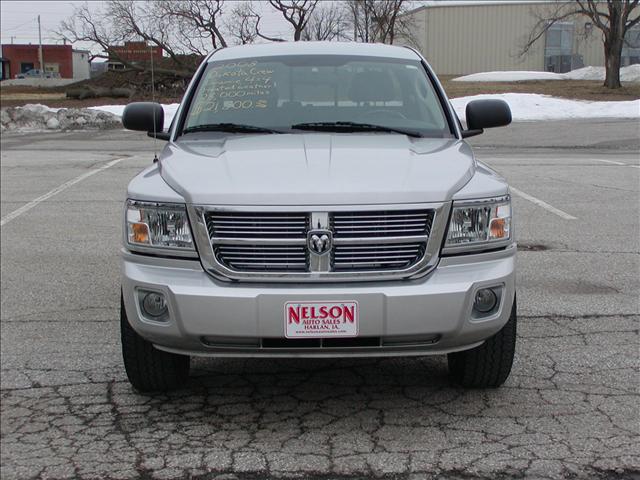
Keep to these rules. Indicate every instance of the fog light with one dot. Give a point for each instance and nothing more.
(485, 301)
(154, 304)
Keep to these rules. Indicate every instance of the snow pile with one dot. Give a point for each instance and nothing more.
(514, 76)
(40, 117)
(627, 74)
(587, 73)
(530, 106)
(169, 111)
(36, 117)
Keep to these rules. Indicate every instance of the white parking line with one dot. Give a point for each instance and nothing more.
(609, 161)
(615, 163)
(57, 190)
(542, 204)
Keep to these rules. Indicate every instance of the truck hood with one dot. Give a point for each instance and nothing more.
(316, 169)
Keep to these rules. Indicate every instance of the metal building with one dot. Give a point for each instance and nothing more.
(463, 37)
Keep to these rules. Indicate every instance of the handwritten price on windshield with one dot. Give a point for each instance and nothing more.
(244, 104)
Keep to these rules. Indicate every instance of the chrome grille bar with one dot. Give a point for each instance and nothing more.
(381, 224)
(263, 257)
(376, 257)
(258, 224)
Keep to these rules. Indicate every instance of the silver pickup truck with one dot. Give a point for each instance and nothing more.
(317, 200)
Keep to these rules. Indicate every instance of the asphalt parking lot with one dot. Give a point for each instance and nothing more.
(569, 410)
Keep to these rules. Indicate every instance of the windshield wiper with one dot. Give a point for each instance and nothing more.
(229, 127)
(352, 127)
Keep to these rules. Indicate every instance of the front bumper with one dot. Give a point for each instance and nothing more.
(430, 315)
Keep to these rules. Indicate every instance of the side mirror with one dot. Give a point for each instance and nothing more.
(483, 114)
(144, 116)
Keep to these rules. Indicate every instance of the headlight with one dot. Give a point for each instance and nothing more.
(479, 224)
(151, 226)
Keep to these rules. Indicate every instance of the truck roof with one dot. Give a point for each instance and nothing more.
(313, 48)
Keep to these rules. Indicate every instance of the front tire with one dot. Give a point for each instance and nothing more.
(489, 365)
(148, 368)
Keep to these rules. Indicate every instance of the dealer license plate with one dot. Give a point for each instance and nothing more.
(321, 319)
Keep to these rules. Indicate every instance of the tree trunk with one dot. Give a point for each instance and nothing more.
(613, 42)
(612, 59)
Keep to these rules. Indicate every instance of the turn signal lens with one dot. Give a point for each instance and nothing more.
(139, 233)
(500, 225)
(497, 228)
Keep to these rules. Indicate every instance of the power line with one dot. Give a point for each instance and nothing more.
(26, 37)
(20, 26)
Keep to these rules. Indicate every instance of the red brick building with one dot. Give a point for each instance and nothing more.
(21, 58)
(133, 52)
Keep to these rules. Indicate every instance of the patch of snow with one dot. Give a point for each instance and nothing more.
(53, 123)
(509, 76)
(169, 111)
(112, 109)
(630, 73)
(35, 117)
(38, 108)
(530, 107)
(586, 73)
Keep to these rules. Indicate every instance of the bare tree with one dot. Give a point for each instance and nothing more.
(131, 20)
(119, 22)
(328, 21)
(245, 26)
(295, 12)
(614, 18)
(360, 20)
(242, 24)
(198, 19)
(185, 30)
(380, 20)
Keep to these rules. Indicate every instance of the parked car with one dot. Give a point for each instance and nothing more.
(36, 73)
(317, 200)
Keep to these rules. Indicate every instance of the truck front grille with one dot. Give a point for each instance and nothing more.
(366, 243)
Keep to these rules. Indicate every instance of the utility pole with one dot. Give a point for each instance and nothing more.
(40, 49)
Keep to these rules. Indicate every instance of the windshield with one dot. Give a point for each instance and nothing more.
(283, 92)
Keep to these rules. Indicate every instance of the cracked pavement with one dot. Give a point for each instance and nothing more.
(570, 408)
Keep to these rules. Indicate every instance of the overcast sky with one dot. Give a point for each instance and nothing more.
(18, 20)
